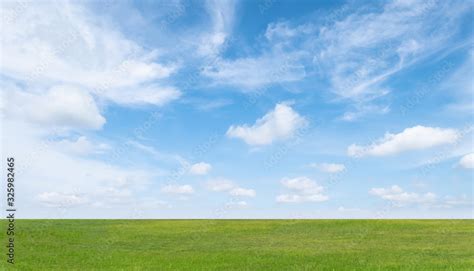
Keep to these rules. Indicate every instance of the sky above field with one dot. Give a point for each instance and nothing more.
(246, 109)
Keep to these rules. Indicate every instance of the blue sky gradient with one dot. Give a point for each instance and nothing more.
(239, 109)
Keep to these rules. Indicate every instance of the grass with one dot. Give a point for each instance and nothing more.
(242, 245)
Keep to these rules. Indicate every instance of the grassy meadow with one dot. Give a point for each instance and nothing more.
(242, 245)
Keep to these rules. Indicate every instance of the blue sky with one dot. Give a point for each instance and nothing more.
(239, 109)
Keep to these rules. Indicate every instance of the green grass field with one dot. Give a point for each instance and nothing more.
(243, 245)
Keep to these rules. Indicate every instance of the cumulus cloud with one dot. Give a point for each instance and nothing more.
(329, 167)
(400, 197)
(303, 189)
(178, 189)
(60, 106)
(200, 168)
(467, 161)
(279, 124)
(414, 138)
(224, 185)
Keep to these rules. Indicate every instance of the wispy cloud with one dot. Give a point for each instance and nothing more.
(253, 73)
(222, 15)
(71, 46)
(377, 44)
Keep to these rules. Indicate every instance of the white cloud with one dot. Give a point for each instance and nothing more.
(278, 124)
(237, 204)
(283, 30)
(108, 185)
(303, 190)
(252, 73)
(224, 185)
(463, 200)
(200, 168)
(274, 65)
(398, 196)
(381, 42)
(414, 138)
(242, 192)
(222, 19)
(60, 106)
(82, 146)
(55, 199)
(296, 198)
(377, 43)
(152, 94)
(329, 167)
(61, 63)
(64, 43)
(178, 189)
(467, 161)
(359, 110)
(303, 184)
(345, 209)
(220, 185)
(76, 48)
